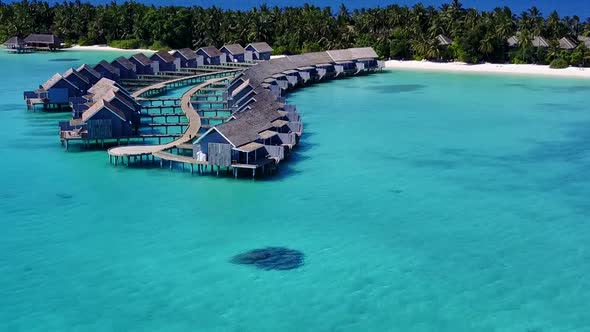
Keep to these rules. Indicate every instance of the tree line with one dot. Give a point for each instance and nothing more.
(398, 32)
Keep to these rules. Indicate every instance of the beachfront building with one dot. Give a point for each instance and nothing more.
(584, 40)
(567, 44)
(144, 65)
(258, 51)
(187, 57)
(16, 45)
(233, 53)
(91, 75)
(43, 41)
(165, 60)
(107, 70)
(211, 55)
(126, 68)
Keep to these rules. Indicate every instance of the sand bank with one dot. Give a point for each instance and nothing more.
(489, 68)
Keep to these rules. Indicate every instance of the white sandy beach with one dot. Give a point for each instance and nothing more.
(106, 48)
(489, 68)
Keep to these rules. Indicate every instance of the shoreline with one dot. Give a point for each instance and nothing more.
(489, 68)
(107, 48)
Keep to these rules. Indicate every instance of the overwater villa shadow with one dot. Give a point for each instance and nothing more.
(271, 258)
(399, 88)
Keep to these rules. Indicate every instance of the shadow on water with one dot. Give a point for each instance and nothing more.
(399, 88)
(271, 258)
(560, 107)
(64, 60)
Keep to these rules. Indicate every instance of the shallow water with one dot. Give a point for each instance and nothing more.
(421, 201)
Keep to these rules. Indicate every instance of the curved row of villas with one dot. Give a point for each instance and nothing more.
(58, 90)
(262, 128)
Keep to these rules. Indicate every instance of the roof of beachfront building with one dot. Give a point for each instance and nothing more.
(567, 44)
(234, 49)
(261, 47)
(123, 61)
(539, 41)
(211, 51)
(585, 40)
(444, 40)
(164, 55)
(142, 59)
(512, 41)
(187, 53)
(15, 41)
(48, 39)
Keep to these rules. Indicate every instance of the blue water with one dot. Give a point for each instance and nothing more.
(422, 202)
(566, 7)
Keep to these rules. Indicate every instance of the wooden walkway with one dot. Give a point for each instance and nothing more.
(194, 124)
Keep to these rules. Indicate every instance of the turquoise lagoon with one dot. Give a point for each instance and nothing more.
(422, 201)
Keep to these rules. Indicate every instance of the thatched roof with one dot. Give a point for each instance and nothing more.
(353, 54)
(444, 40)
(99, 106)
(585, 40)
(164, 55)
(186, 53)
(15, 42)
(512, 41)
(123, 61)
(142, 59)
(48, 39)
(54, 80)
(211, 51)
(539, 41)
(567, 44)
(235, 49)
(260, 47)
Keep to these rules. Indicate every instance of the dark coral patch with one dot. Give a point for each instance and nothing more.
(271, 258)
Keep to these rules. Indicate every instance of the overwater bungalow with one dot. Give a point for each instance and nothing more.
(144, 65)
(187, 57)
(107, 70)
(43, 42)
(127, 69)
(567, 44)
(444, 40)
(16, 45)
(233, 53)
(92, 75)
(258, 51)
(166, 61)
(77, 79)
(103, 120)
(211, 55)
(53, 94)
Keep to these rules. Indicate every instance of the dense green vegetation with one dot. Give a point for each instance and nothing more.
(394, 31)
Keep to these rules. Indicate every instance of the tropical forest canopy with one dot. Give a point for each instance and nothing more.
(394, 31)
